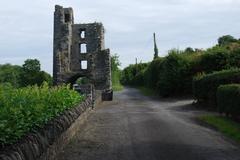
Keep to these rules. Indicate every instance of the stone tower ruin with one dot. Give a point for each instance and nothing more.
(79, 51)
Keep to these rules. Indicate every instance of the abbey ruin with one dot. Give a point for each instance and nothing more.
(79, 51)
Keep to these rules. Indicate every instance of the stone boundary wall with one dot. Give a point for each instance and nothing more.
(47, 142)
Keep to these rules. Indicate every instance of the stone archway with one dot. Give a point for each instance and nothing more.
(72, 80)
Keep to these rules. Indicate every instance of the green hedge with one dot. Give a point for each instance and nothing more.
(173, 74)
(22, 110)
(152, 73)
(228, 99)
(205, 86)
(215, 59)
(134, 74)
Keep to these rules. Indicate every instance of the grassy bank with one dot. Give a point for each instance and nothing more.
(225, 125)
(115, 73)
(117, 87)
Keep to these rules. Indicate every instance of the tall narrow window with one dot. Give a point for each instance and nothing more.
(84, 64)
(82, 33)
(83, 48)
(67, 18)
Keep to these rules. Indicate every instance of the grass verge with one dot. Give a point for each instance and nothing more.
(225, 125)
(117, 87)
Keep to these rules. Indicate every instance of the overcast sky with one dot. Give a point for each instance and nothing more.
(26, 26)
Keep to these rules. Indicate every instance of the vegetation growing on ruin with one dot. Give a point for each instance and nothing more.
(25, 109)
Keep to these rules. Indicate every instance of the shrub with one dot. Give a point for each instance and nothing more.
(174, 74)
(10, 74)
(139, 78)
(128, 74)
(151, 74)
(133, 74)
(23, 110)
(214, 59)
(228, 99)
(205, 86)
(234, 57)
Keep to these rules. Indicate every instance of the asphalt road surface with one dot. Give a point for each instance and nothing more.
(135, 127)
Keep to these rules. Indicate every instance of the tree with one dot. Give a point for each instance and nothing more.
(225, 40)
(31, 65)
(189, 50)
(115, 63)
(155, 47)
(32, 74)
(28, 74)
(115, 72)
(45, 77)
(10, 74)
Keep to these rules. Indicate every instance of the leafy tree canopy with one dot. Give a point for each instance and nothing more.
(225, 40)
(10, 74)
(32, 65)
(28, 74)
(189, 50)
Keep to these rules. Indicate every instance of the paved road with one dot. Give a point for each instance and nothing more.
(135, 127)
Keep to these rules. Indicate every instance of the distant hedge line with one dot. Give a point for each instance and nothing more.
(173, 74)
(228, 99)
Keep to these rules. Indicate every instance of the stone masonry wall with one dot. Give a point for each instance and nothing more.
(102, 65)
(62, 40)
(68, 56)
(47, 142)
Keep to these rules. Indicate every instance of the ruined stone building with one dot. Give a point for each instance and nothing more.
(79, 51)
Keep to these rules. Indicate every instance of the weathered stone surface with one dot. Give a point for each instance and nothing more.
(48, 141)
(68, 38)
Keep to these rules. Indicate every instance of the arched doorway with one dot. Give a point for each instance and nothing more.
(82, 84)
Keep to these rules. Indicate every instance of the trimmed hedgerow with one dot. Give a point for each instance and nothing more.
(25, 109)
(215, 59)
(205, 86)
(151, 76)
(172, 75)
(134, 74)
(228, 99)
